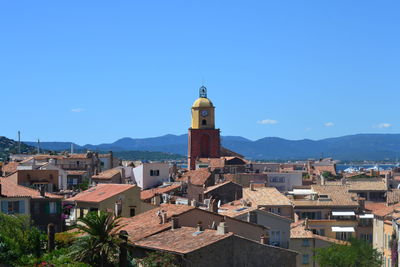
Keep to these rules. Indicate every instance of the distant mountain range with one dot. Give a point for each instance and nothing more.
(374, 147)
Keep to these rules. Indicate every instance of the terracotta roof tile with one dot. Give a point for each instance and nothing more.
(381, 209)
(265, 196)
(76, 172)
(100, 192)
(197, 177)
(150, 193)
(107, 174)
(10, 167)
(148, 223)
(234, 209)
(182, 240)
(337, 196)
(298, 231)
(11, 189)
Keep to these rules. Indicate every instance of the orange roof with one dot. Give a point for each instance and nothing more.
(147, 194)
(108, 174)
(11, 189)
(148, 223)
(182, 240)
(265, 196)
(100, 192)
(380, 208)
(298, 230)
(197, 177)
(10, 167)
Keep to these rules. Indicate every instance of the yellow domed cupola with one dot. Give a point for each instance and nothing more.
(203, 111)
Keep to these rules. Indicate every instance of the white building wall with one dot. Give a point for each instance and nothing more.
(285, 181)
(143, 176)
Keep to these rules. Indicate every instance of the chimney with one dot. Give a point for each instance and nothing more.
(251, 186)
(199, 227)
(214, 206)
(343, 181)
(42, 191)
(263, 239)
(322, 178)
(111, 159)
(306, 223)
(194, 203)
(222, 229)
(175, 222)
(164, 216)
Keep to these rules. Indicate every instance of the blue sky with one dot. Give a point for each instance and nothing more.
(96, 71)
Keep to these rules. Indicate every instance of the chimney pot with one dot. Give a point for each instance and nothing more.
(199, 227)
(175, 222)
(222, 228)
(263, 239)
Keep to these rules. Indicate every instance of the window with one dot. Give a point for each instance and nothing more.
(132, 212)
(343, 236)
(154, 172)
(320, 232)
(36, 208)
(306, 259)
(275, 210)
(277, 179)
(204, 122)
(275, 239)
(13, 207)
(306, 243)
(94, 209)
(52, 207)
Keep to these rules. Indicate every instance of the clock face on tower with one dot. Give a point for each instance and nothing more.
(204, 113)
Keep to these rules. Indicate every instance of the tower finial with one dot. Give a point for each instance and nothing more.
(203, 91)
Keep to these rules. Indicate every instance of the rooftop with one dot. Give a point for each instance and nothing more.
(150, 193)
(211, 188)
(148, 223)
(328, 195)
(381, 209)
(298, 231)
(235, 208)
(10, 167)
(100, 192)
(182, 240)
(197, 177)
(11, 189)
(108, 174)
(265, 196)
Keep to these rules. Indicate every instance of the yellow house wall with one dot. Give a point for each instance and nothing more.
(387, 231)
(296, 244)
(328, 224)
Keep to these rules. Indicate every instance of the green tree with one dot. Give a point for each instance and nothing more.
(357, 254)
(159, 259)
(19, 240)
(99, 244)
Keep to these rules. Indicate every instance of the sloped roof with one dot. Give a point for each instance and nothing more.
(197, 177)
(101, 192)
(108, 174)
(182, 240)
(147, 194)
(10, 167)
(11, 189)
(338, 195)
(265, 196)
(148, 223)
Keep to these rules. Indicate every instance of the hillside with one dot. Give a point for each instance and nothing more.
(358, 147)
(9, 146)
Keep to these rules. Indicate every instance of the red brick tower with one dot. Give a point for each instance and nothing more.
(204, 139)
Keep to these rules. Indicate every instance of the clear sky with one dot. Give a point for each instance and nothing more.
(96, 71)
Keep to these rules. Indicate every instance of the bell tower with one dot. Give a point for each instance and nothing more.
(204, 139)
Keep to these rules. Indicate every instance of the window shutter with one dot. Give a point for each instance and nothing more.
(47, 208)
(22, 206)
(58, 207)
(4, 206)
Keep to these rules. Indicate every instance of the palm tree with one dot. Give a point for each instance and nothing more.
(99, 244)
